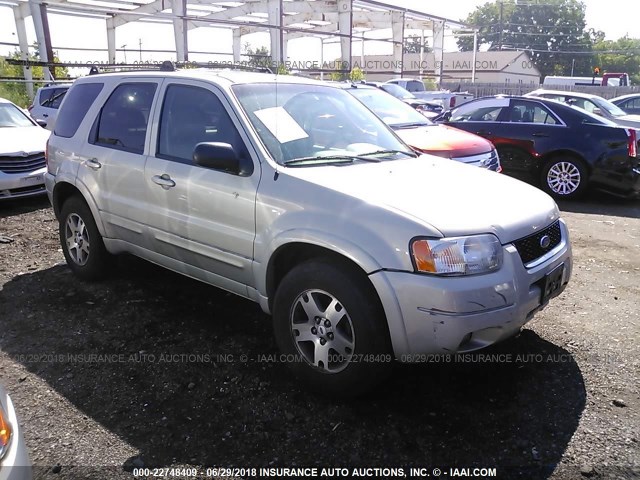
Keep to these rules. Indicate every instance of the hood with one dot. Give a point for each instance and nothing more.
(23, 140)
(454, 198)
(444, 141)
(628, 120)
(414, 101)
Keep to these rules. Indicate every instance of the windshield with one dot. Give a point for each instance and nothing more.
(609, 107)
(302, 121)
(392, 111)
(12, 116)
(397, 91)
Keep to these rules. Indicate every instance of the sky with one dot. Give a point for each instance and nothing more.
(614, 17)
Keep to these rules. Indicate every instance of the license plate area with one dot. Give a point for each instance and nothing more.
(32, 180)
(551, 283)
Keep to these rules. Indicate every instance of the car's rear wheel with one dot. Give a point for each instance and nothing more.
(330, 326)
(565, 177)
(81, 241)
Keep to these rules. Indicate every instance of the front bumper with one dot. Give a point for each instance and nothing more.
(17, 185)
(444, 315)
(15, 465)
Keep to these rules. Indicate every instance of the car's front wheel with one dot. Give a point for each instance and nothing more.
(81, 241)
(565, 177)
(331, 329)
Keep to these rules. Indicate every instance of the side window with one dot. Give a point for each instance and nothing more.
(45, 96)
(191, 115)
(530, 112)
(481, 114)
(122, 122)
(56, 98)
(414, 86)
(81, 97)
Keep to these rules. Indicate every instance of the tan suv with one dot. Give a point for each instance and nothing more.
(293, 194)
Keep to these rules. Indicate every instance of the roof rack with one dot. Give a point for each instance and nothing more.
(166, 66)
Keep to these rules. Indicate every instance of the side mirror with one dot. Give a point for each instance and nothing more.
(219, 156)
(443, 117)
(597, 111)
(42, 123)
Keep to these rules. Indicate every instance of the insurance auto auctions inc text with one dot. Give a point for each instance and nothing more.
(376, 472)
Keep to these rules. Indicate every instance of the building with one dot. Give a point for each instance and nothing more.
(490, 67)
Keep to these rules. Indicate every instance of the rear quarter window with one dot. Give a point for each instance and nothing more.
(79, 99)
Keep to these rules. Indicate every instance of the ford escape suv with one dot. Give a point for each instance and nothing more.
(293, 194)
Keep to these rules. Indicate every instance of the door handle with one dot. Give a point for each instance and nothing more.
(538, 134)
(93, 163)
(45, 114)
(164, 181)
(484, 132)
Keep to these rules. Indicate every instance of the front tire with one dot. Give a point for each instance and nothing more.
(81, 241)
(329, 323)
(565, 178)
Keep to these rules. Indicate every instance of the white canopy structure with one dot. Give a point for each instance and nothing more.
(342, 20)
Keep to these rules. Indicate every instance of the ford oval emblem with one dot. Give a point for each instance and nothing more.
(545, 241)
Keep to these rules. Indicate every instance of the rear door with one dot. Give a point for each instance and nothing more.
(529, 130)
(201, 217)
(113, 159)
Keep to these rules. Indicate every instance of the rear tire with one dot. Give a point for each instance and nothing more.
(565, 178)
(330, 326)
(81, 241)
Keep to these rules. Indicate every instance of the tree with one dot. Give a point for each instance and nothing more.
(622, 55)
(551, 31)
(258, 57)
(17, 91)
(412, 44)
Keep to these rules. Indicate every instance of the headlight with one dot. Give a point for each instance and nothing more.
(5, 432)
(457, 255)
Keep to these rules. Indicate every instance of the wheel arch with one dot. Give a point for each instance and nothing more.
(565, 152)
(291, 254)
(65, 190)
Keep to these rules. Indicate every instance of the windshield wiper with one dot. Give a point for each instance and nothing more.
(410, 125)
(330, 159)
(386, 152)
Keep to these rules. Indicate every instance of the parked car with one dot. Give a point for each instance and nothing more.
(291, 193)
(45, 105)
(14, 459)
(562, 148)
(629, 103)
(592, 104)
(428, 109)
(425, 136)
(22, 146)
(446, 98)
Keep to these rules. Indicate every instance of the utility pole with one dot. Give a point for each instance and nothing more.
(140, 44)
(501, 27)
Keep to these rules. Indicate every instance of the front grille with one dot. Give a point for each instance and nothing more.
(529, 247)
(22, 164)
(485, 160)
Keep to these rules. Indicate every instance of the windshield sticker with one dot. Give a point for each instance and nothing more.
(281, 124)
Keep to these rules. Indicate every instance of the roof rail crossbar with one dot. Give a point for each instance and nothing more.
(166, 66)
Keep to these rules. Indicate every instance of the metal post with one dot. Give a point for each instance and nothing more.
(475, 56)
(178, 8)
(345, 26)
(38, 14)
(111, 40)
(236, 45)
(274, 9)
(397, 32)
(438, 49)
(24, 47)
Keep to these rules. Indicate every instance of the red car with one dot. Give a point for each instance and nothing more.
(423, 135)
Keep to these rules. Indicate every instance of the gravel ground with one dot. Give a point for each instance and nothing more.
(152, 369)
